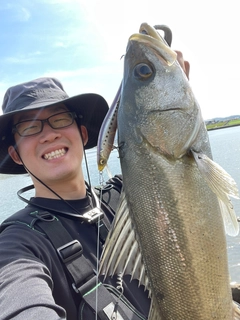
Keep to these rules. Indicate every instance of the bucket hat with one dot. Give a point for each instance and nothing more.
(42, 93)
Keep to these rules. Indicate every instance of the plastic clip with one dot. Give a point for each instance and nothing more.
(70, 251)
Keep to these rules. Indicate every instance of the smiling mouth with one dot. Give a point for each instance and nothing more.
(55, 154)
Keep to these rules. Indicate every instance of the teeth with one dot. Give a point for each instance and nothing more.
(54, 154)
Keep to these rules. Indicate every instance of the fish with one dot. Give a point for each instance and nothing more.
(175, 209)
(109, 127)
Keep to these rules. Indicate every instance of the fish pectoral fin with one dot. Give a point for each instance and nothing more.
(224, 186)
(121, 253)
(236, 311)
(229, 217)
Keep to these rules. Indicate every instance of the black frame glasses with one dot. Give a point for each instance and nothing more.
(32, 127)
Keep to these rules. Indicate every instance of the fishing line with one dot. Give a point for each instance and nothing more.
(98, 245)
(85, 159)
(98, 220)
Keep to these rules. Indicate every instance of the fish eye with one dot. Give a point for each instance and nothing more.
(142, 71)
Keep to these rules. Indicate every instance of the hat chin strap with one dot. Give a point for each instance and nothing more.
(39, 180)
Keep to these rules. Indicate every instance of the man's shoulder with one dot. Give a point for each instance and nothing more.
(21, 217)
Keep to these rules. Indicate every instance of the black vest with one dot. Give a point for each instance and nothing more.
(70, 251)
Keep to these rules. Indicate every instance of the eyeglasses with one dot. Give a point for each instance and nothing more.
(57, 121)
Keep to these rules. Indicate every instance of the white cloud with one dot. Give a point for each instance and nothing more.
(60, 1)
(23, 14)
(27, 58)
(103, 80)
(59, 44)
(16, 12)
(80, 33)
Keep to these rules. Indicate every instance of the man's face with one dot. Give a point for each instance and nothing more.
(53, 155)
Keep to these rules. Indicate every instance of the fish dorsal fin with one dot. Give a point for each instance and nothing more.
(121, 254)
(224, 186)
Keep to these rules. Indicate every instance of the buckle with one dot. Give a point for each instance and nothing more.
(70, 251)
(93, 215)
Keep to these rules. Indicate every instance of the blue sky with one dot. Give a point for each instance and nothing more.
(81, 43)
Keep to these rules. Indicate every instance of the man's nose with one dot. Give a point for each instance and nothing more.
(48, 133)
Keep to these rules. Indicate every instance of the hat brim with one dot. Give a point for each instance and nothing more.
(92, 108)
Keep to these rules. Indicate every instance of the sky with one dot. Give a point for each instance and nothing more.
(81, 43)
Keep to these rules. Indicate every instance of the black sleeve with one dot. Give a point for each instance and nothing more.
(26, 282)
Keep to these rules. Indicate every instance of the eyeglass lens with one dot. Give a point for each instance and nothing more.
(56, 121)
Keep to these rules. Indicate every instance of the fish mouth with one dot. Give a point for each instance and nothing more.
(55, 154)
(148, 35)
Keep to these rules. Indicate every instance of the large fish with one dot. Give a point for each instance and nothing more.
(168, 231)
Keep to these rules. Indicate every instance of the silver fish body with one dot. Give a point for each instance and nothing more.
(174, 213)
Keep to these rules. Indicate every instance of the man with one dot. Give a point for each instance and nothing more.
(44, 132)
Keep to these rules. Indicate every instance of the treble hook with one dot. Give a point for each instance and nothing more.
(114, 314)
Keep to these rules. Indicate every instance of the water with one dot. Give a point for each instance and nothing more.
(225, 145)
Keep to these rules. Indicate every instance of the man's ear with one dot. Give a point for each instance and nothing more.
(84, 134)
(14, 155)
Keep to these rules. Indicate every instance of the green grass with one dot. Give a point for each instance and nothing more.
(223, 124)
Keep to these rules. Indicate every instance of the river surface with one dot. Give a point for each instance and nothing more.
(225, 144)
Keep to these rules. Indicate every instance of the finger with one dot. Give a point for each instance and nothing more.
(184, 64)
(187, 68)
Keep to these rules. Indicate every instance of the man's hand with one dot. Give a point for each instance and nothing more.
(184, 64)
